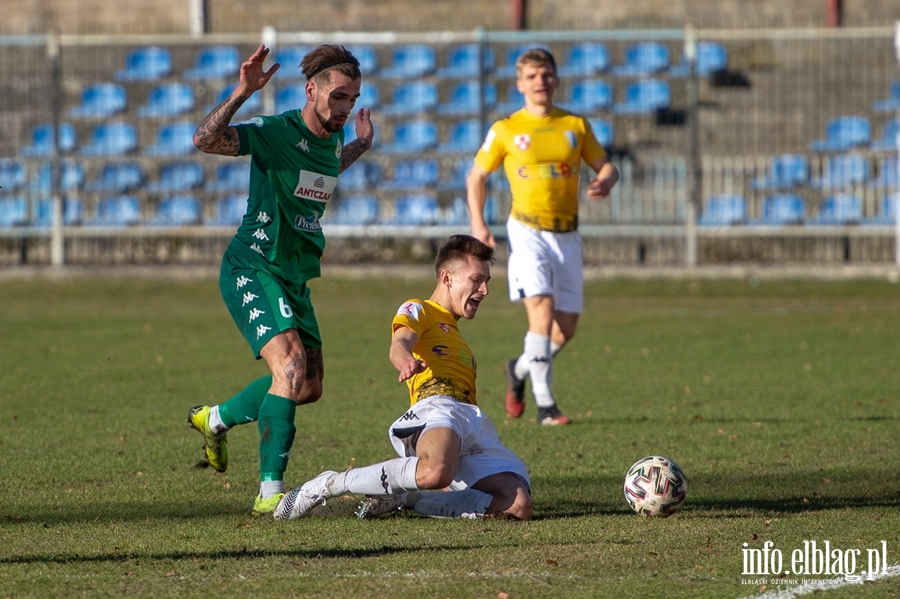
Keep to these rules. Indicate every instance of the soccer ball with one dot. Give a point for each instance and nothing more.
(655, 486)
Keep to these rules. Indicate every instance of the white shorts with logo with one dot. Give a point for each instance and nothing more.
(481, 453)
(545, 263)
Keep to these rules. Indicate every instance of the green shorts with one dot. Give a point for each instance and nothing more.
(263, 306)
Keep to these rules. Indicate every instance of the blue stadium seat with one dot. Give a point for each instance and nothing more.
(839, 209)
(361, 175)
(589, 96)
(456, 181)
(12, 175)
(888, 140)
(415, 97)
(463, 137)
(465, 98)
(369, 96)
(145, 64)
(416, 210)
(43, 135)
(412, 137)
(354, 210)
(290, 57)
(101, 100)
(411, 174)
(290, 97)
(411, 61)
(514, 101)
(13, 212)
(585, 59)
(786, 171)
(645, 96)
(888, 174)
(117, 177)
(782, 209)
(643, 59)
(111, 139)
(167, 100)
(513, 53)
(229, 212)
(117, 211)
(177, 211)
(367, 57)
(843, 133)
(176, 177)
(843, 170)
(233, 175)
(892, 102)
(71, 178)
(457, 213)
(248, 108)
(173, 139)
(887, 214)
(73, 212)
(723, 210)
(462, 61)
(604, 132)
(214, 62)
(712, 57)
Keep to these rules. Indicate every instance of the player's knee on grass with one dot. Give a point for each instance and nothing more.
(511, 503)
(434, 474)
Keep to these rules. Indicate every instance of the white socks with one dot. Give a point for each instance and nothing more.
(468, 503)
(386, 478)
(537, 363)
(267, 488)
(215, 421)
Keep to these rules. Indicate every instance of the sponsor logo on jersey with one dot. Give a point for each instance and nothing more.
(463, 355)
(523, 142)
(315, 186)
(551, 170)
(411, 309)
(307, 223)
(303, 145)
(488, 140)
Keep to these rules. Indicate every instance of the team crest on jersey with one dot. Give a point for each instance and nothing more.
(338, 148)
(444, 327)
(411, 309)
(523, 142)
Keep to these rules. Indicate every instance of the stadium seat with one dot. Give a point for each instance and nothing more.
(412, 137)
(73, 213)
(513, 53)
(782, 209)
(117, 211)
(43, 135)
(145, 64)
(463, 137)
(839, 209)
(843, 170)
(712, 57)
(248, 108)
(585, 59)
(367, 57)
(888, 141)
(411, 174)
(888, 174)
(290, 97)
(723, 210)
(643, 59)
(71, 178)
(12, 175)
(361, 175)
(167, 100)
(173, 139)
(514, 101)
(645, 96)
(117, 177)
(888, 210)
(604, 132)
(175, 177)
(411, 61)
(111, 139)
(462, 61)
(589, 96)
(456, 181)
(290, 57)
(465, 98)
(457, 213)
(13, 212)
(892, 102)
(100, 101)
(415, 97)
(177, 211)
(369, 96)
(786, 171)
(229, 211)
(214, 62)
(416, 210)
(354, 210)
(843, 133)
(230, 176)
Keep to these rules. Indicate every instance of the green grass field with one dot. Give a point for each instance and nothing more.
(780, 401)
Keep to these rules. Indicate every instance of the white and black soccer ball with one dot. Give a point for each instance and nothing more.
(655, 486)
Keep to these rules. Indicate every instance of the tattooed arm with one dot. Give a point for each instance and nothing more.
(214, 135)
(364, 134)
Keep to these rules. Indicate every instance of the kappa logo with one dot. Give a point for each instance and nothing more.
(262, 217)
(255, 247)
(285, 455)
(384, 482)
(255, 313)
(261, 330)
(523, 142)
(241, 281)
(261, 235)
(303, 145)
(249, 297)
(410, 415)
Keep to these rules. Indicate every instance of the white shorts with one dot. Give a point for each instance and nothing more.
(481, 453)
(545, 263)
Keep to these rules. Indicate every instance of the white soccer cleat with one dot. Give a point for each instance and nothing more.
(377, 505)
(297, 502)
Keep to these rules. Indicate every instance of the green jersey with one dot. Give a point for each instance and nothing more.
(292, 176)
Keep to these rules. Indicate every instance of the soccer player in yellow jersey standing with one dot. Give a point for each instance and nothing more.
(541, 148)
(451, 462)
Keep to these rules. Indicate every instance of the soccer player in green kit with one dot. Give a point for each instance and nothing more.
(296, 159)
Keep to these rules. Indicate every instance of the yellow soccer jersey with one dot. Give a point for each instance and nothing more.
(542, 159)
(451, 365)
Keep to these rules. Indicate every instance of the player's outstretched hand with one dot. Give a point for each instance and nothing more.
(364, 128)
(253, 77)
(410, 368)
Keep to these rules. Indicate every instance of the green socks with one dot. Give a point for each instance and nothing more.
(244, 407)
(276, 436)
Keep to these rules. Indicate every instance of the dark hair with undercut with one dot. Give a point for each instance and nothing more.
(457, 248)
(318, 62)
(537, 57)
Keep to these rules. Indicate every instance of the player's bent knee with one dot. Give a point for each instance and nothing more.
(520, 509)
(434, 476)
(311, 391)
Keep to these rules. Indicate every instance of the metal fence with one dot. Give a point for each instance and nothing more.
(733, 145)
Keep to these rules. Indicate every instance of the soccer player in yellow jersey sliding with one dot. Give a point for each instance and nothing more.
(541, 148)
(451, 463)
